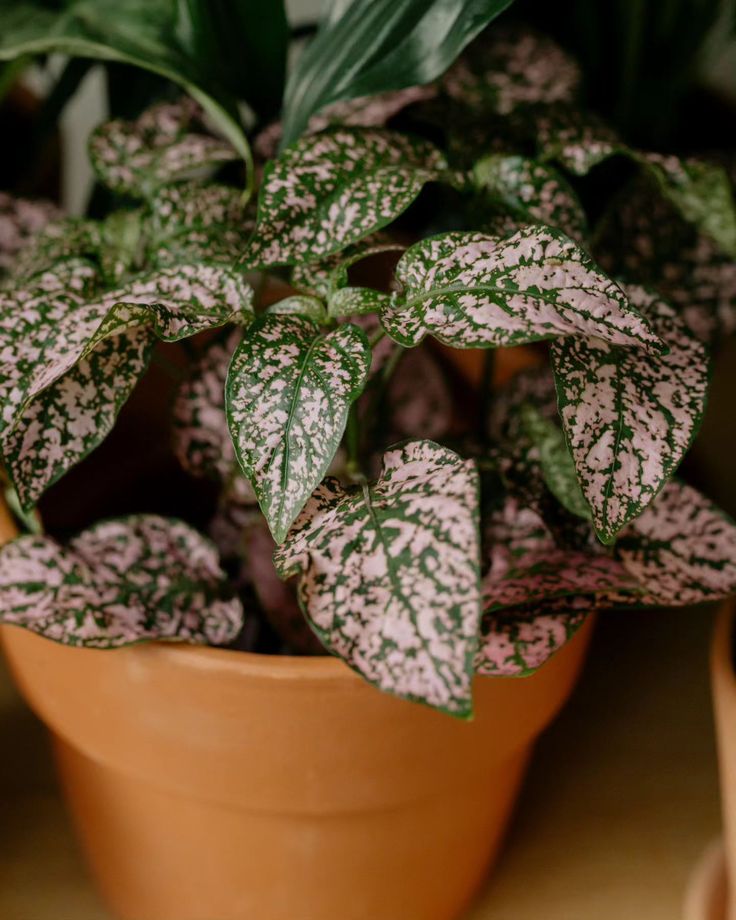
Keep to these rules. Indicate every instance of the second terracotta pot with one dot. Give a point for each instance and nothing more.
(216, 785)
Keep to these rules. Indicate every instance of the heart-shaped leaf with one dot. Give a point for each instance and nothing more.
(390, 574)
(629, 416)
(518, 641)
(470, 290)
(332, 189)
(121, 581)
(167, 142)
(20, 220)
(70, 363)
(532, 191)
(289, 390)
(509, 68)
(191, 221)
(682, 550)
(369, 47)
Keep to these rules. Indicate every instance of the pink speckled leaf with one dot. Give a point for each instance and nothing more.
(122, 581)
(630, 416)
(471, 290)
(510, 67)
(289, 390)
(168, 141)
(330, 190)
(526, 566)
(193, 221)
(390, 574)
(362, 112)
(69, 363)
(681, 550)
(574, 138)
(532, 192)
(321, 278)
(517, 641)
(646, 240)
(20, 221)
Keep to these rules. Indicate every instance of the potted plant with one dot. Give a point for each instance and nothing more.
(438, 543)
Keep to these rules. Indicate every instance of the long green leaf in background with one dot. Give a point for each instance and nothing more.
(371, 46)
(242, 45)
(138, 32)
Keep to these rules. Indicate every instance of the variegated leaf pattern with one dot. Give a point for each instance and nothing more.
(390, 574)
(168, 142)
(682, 550)
(558, 467)
(193, 221)
(517, 641)
(69, 363)
(330, 190)
(532, 191)
(301, 305)
(527, 567)
(319, 278)
(21, 219)
(630, 416)
(645, 240)
(289, 390)
(574, 138)
(512, 67)
(363, 111)
(470, 290)
(121, 581)
(701, 192)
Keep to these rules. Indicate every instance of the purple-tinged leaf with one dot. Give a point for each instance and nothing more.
(289, 390)
(20, 221)
(330, 190)
(532, 192)
(470, 290)
(121, 581)
(168, 142)
(362, 112)
(518, 641)
(390, 574)
(191, 221)
(510, 68)
(681, 550)
(629, 416)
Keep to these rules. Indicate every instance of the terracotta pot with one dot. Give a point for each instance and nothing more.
(723, 681)
(215, 785)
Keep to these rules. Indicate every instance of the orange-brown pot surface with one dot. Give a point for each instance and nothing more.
(207, 784)
(723, 682)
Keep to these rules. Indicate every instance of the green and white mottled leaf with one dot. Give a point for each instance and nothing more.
(192, 221)
(470, 290)
(390, 578)
(681, 550)
(532, 191)
(167, 142)
(69, 363)
(330, 190)
(558, 467)
(20, 221)
(629, 416)
(61, 239)
(300, 305)
(509, 68)
(355, 301)
(122, 581)
(321, 278)
(289, 390)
